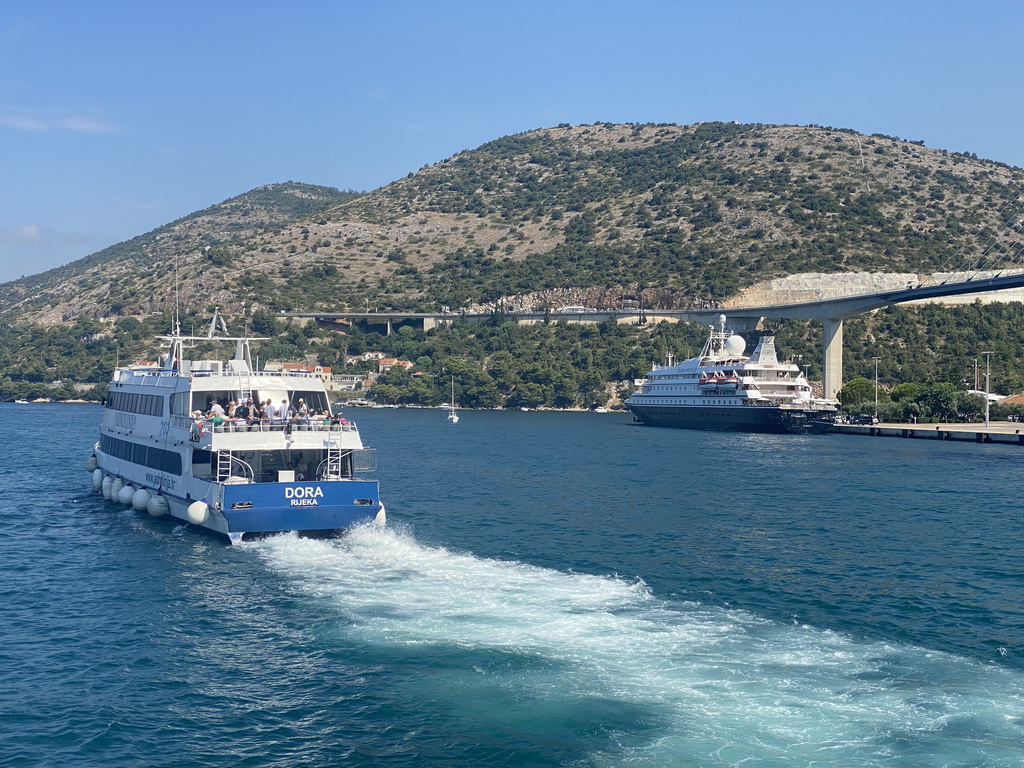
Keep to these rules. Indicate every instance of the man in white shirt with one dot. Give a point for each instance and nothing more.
(271, 411)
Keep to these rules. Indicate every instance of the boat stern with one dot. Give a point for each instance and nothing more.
(321, 507)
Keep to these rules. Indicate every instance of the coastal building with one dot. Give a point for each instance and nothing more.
(387, 363)
(346, 382)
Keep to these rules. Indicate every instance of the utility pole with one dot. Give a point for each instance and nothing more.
(876, 386)
(988, 369)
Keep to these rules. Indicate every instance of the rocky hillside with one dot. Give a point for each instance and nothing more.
(680, 214)
(138, 276)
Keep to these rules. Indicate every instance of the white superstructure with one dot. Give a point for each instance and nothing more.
(182, 439)
(723, 389)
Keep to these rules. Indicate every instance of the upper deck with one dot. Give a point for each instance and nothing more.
(203, 379)
(296, 434)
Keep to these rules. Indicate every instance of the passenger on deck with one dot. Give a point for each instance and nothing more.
(215, 410)
(271, 410)
(242, 418)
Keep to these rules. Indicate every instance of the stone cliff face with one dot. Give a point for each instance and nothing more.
(794, 289)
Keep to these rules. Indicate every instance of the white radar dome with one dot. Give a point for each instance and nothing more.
(735, 345)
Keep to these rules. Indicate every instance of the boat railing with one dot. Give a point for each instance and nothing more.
(233, 426)
(293, 425)
(338, 463)
(150, 374)
(230, 467)
(203, 372)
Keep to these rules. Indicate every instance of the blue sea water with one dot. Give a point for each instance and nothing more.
(554, 589)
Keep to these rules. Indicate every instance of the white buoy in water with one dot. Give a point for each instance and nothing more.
(115, 489)
(108, 483)
(157, 505)
(97, 479)
(124, 496)
(198, 512)
(140, 499)
(91, 464)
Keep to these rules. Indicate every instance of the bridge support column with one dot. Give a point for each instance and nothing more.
(833, 363)
(389, 327)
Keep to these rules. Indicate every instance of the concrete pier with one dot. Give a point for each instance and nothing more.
(1009, 432)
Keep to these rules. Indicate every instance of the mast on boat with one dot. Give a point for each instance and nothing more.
(217, 331)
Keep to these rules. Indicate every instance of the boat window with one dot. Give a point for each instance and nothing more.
(179, 404)
(136, 402)
(147, 456)
(202, 463)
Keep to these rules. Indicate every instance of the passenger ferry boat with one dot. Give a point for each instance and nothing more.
(723, 390)
(160, 451)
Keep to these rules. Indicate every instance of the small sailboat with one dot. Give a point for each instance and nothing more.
(453, 417)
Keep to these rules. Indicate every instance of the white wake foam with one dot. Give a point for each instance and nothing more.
(724, 686)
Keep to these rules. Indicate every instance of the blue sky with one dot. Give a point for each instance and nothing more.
(117, 117)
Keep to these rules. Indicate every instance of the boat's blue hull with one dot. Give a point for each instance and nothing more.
(300, 506)
(252, 510)
(734, 419)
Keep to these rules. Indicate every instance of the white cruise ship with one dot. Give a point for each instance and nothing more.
(297, 470)
(721, 389)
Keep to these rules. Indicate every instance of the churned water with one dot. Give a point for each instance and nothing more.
(554, 589)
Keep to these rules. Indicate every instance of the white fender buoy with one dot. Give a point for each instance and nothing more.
(91, 464)
(382, 518)
(198, 512)
(97, 479)
(157, 505)
(124, 496)
(108, 483)
(115, 488)
(140, 499)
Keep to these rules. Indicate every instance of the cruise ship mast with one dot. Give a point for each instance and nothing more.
(717, 347)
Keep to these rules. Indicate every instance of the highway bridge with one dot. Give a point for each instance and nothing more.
(831, 312)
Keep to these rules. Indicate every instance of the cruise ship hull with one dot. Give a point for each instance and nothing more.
(768, 419)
